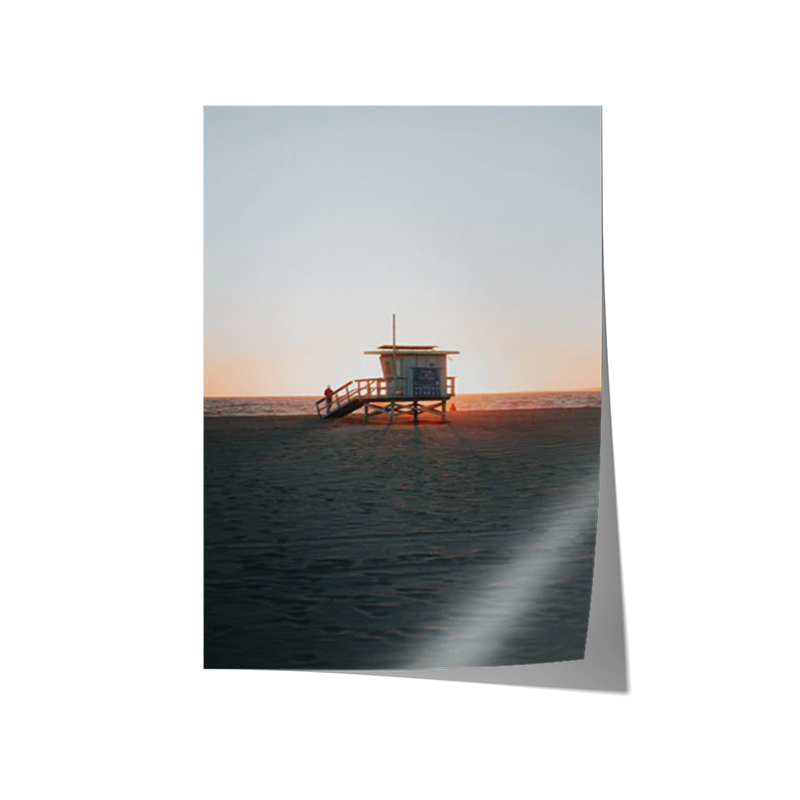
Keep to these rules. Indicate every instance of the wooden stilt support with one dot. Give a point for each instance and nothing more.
(404, 406)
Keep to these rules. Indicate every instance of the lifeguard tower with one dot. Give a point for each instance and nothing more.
(415, 381)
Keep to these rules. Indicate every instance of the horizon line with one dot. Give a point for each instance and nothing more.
(520, 391)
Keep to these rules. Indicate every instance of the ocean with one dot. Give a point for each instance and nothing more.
(292, 406)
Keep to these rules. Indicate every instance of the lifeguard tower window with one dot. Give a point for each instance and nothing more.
(426, 382)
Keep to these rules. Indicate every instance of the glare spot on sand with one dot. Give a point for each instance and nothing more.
(474, 635)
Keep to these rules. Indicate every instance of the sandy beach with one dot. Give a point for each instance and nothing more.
(345, 545)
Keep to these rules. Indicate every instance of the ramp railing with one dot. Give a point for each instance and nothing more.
(363, 389)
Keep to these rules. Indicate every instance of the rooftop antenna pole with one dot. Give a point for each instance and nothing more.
(394, 351)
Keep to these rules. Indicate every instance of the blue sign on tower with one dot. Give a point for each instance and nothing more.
(426, 382)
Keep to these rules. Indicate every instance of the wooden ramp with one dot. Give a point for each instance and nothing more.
(350, 397)
(343, 410)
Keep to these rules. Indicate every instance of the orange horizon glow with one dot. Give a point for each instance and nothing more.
(457, 394)
(239, 382)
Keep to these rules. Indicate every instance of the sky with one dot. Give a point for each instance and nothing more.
(480, 228)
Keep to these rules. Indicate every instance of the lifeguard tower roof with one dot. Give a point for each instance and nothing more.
(411, 350)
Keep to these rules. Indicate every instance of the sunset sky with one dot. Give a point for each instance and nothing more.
(479, 227)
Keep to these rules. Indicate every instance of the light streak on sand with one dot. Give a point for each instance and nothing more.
(475, 634)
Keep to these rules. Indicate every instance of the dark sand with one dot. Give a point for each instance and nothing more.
(344, 545)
